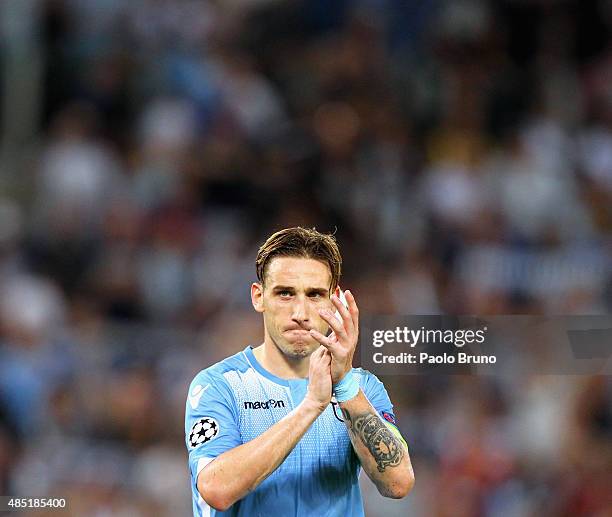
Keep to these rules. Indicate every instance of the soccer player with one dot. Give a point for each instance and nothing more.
(283, 429)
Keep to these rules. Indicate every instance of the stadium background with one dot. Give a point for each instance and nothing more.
(462, 149)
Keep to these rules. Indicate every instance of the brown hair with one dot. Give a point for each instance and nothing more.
(301, 242)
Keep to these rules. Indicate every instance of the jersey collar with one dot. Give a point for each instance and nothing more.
(248, 352)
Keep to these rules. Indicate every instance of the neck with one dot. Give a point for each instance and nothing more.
(277, 363)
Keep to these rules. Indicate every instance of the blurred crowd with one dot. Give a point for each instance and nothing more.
(461, 151)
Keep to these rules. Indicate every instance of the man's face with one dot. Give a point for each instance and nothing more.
(295, 290)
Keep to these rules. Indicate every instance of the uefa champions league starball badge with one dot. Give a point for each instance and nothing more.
(204, 430)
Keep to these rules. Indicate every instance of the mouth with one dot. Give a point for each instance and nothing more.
(298, 332)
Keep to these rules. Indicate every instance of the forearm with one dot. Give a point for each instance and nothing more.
(383, 455)
(235, 473)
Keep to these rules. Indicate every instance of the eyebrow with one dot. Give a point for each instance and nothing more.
(309, 290)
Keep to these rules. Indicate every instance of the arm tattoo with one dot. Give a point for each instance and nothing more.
(384, 447)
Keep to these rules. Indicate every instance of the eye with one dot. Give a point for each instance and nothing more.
(284, 294)
(317, 296)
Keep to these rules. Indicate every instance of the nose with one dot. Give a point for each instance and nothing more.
(300, 311)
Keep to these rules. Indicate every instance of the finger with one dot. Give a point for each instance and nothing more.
(317, 368)
(333, 322)
(346, 316)
(315, 359)
(317, 354)
(326, 342)
(352, 307)
(326, 359)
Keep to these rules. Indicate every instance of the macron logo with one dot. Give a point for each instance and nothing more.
(269, 404)
(196, 395)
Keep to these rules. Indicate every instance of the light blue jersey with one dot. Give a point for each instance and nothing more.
(236, 400)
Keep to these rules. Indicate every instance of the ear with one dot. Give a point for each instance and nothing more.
(257, 296)
(337, 291)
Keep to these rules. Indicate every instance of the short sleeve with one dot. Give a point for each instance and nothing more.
(376, 393)
(211, 425)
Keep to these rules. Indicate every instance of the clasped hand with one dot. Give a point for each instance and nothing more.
(341, 343)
